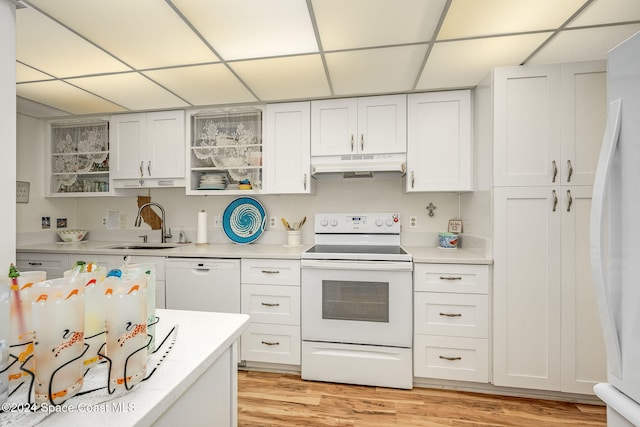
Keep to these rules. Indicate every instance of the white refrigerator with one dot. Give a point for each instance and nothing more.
(615, 236)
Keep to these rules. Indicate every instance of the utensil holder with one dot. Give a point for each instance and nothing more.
(293, 238)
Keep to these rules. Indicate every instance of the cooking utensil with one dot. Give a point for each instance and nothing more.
(286, 224)
(301, 223)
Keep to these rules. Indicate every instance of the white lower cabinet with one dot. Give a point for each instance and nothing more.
(451, 322)
(270, 294)
(53, 264)
(546, 326)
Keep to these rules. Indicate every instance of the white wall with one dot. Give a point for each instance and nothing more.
(8, 132)
(334, 194)
(30, 163)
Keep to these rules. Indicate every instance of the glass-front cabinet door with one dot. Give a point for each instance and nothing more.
(78, 160)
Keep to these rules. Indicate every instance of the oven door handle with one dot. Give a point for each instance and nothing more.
(357, 265)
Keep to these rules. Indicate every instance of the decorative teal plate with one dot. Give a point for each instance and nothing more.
(244, 220)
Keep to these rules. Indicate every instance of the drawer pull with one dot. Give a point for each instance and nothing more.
(451, 314)
(450, 278)
(270, 343)
(450, 358)
(34, 263)
(270, 271)
(270, 304)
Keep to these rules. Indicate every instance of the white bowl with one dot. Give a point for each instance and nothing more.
(74, 235)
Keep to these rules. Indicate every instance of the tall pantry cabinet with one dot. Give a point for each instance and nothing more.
(546, 128)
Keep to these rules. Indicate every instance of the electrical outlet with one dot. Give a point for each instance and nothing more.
(272, 222)
(217, 221)
(413, 222)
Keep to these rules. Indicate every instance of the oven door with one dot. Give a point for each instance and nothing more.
(357, 302)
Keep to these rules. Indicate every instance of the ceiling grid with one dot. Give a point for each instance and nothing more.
(108, 56)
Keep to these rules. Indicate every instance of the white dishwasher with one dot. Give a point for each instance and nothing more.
(203, 284)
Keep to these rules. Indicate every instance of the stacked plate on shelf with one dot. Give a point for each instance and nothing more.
(213, 181)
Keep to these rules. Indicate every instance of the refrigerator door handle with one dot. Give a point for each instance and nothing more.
(601, 286)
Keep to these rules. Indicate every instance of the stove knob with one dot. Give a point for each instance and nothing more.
(334, 222)
(379, 222)
(389, 222)
(324, 222)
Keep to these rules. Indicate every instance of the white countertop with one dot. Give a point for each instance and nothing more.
(436, 255)
(202, 337)
(220, 250)
(420, 254)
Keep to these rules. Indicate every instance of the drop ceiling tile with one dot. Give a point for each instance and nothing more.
(608, 11)
(369, 23)
(585, 44)
(130, 90)
(65, 97)
(142, 33)
(277, 79)
(473, 18)
(373, 71)
(252, 28)
(47, 46)
(464, 63)
(203, 85)
(25, 73)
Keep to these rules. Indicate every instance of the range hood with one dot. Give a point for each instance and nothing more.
(356, 165)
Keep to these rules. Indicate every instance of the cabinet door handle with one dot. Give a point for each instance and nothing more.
(555, 200)
(413, 179)
(304, 182)
(270, 271)
(555, 171)
(450, 358)
(361, 142)
(351, 143)
(570, 166)
(451, 314)
(270, 304)
(141, 172)
(570, 201)
(149, 167)
(34, 263)
(270, 343)
(450, 278)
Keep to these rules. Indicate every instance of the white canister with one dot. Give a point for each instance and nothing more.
(293, 238)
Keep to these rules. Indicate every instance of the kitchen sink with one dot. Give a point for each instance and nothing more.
(143, 246)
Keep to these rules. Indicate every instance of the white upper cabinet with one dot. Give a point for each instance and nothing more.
(368, 125)
(584, 94)
(148, 149)
(77, 158)
(439, 153)
(225, 151)
(527, 125)
(547, 122)
(287, 148)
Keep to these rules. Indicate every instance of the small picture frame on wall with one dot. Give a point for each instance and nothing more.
(455, 226)
(22, 191)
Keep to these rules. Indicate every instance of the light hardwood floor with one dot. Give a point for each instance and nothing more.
(268, 399)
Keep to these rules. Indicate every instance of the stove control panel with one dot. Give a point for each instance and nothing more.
(370, 223)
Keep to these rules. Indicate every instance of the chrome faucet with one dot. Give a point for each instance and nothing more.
(165, 235)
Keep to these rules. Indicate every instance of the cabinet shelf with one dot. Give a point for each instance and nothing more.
(229, 143)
